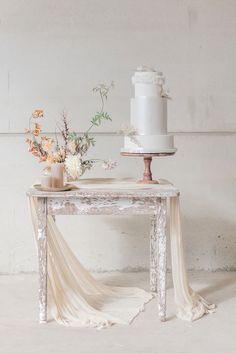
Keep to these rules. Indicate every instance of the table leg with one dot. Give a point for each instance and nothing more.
(161, 240)
(153, 255)
(42, 258)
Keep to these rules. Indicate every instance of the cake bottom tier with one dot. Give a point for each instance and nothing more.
(149, 144)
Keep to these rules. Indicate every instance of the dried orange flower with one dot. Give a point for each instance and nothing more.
(50, 159)
(46, 143)
(34, 151)
(37, 113)
(37, 129)
(43, 159)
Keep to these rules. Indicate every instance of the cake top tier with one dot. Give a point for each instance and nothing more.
(148, 75)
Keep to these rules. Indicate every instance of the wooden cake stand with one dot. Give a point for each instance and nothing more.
(147, 157)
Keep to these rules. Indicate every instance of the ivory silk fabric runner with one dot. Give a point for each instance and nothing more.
(190, 305)
(78, 299)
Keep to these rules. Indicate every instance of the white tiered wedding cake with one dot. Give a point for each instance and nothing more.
(148, 113)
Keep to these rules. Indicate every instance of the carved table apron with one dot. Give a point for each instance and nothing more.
(109, 198)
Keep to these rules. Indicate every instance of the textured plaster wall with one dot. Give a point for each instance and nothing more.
(53, 52)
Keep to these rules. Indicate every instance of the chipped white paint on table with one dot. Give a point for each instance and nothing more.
(109, 197)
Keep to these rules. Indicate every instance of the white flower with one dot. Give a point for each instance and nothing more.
(109, 164)
(74, 166)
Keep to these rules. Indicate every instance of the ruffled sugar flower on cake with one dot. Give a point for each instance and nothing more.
(159, 79)
(131, 132)
(164, 93)
(68, 147)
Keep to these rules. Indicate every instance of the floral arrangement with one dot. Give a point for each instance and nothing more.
(74, 147)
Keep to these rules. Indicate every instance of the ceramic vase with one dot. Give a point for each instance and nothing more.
(57, 175)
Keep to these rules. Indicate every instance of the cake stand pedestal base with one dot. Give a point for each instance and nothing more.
(147, 174)
(147, 157)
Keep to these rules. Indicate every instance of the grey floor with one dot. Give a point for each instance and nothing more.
(20, 332)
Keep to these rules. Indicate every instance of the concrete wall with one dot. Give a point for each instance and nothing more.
(51, 55)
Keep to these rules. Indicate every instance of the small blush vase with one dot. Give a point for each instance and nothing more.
(46, 181)
(57, 174)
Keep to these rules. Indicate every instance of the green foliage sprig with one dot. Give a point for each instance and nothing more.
(81, 143)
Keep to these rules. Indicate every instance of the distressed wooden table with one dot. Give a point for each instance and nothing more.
(109, 197)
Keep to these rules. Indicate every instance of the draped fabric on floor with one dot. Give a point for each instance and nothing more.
(76, 298)
(190, 305)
